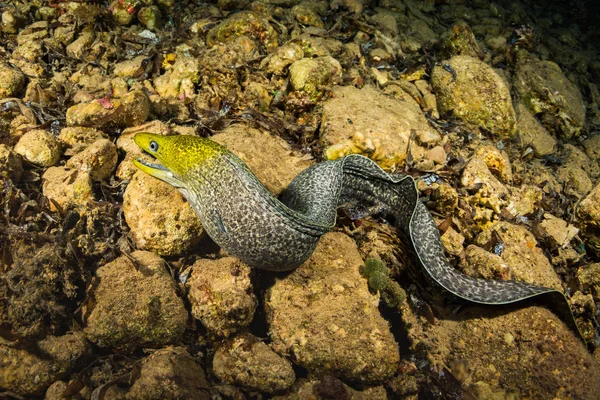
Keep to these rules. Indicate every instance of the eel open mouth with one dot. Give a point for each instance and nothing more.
(151, 165)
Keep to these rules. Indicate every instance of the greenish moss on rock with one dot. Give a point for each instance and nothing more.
(549, 95)
(313, 75)
(244, 23)
(460, 41)
(478, 95)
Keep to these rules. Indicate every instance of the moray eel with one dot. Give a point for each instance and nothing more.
(265, 232)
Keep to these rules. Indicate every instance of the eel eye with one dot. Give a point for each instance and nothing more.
(153, 146)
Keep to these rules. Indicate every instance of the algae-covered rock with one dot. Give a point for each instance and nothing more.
(40, 289)
(31, 373)
(12, 81)
(247, 362)
(67, 187)
(307, 15)
(160, 219)
(135, 305)
(313, 75)
(325, 317)
(150, 17)
(365, 121)
(220, 293)
(39, 147)
(99, 159)
(532, 133)
(475, 94)
(244, 23)
(550, 95)
(460, 41)
(329, 387)
(170, 373)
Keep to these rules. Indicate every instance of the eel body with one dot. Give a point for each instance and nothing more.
(279, 234)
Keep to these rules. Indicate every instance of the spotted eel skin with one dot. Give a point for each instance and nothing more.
(265, 232)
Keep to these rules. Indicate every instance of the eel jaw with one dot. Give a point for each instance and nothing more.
(158, 171)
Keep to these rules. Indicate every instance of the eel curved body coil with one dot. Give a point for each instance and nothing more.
(246, 220)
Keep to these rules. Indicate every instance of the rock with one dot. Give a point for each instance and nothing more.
(131, 68)
(556, 231)
(526, 200)
(532, 133)
(549, 95)
(31, 373)
(244, 23)
(269, 157)
(283, 57)
(480, 345)
(10, 163)
(160, 219)
(170, 373)
(179, 81)
(247, 362)
(478, 95)
(331, 388)
(150, 17)
(39, 147)
(384, 20)
(381, 131)
(574, 180)
(307, 15)
(312, 75)
(429, 99)
(519, 249)
(588, 280)
(575, 157)
(325, 317)
(497, 162)
(129, 110)
(489, 191)
(11, 22)
(67, 187)
(99, 159)
(481, 263)
(460, 41)
(82, 44)
(12, 81)
(453, 242)
(40, 289)
(120, 12)
(78, 138)
(220, 293)
(589, 208)
(135, 305)
(592, 147)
